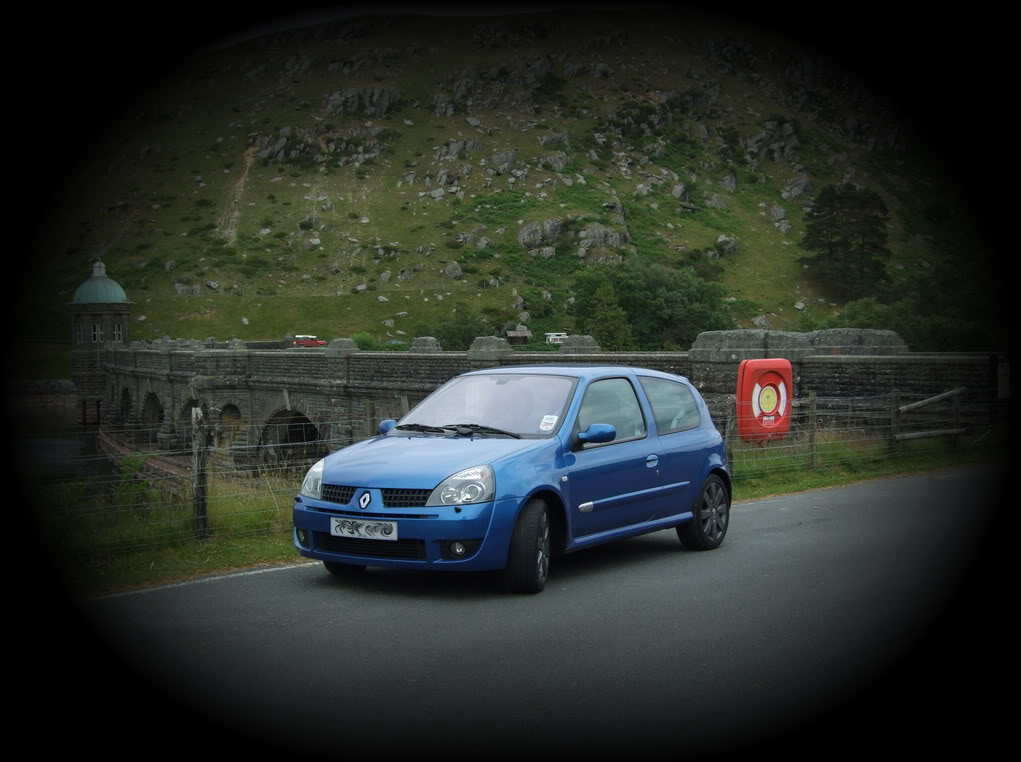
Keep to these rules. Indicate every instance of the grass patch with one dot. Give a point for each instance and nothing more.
(782, 467)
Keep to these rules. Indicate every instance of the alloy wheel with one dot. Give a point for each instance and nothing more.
(714, 511)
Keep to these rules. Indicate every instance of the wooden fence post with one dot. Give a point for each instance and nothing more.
(728, 438)
(812, 424)
(199, 474)
(894, 422)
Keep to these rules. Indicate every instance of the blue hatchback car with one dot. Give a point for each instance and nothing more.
(506, 468)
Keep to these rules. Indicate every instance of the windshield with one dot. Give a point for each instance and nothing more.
(530, 405)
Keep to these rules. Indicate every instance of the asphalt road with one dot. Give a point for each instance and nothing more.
(835, 609)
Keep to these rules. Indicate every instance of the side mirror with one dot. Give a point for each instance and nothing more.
(597, 433)
(386, 424)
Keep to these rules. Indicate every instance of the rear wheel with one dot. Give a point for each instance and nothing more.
(529, 560)
(712, 517)
(342, 570)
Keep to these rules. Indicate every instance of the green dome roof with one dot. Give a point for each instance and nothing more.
(99, 289)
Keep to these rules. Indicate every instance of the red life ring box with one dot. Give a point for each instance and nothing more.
(764, 398)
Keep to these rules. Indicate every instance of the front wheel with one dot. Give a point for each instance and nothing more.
(528, 561)
(712, 517)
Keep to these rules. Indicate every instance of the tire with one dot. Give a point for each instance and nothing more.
(528, 562)
(342, 570)
(712, 517)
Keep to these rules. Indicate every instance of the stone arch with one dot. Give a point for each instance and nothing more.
(290, 438)
(124, 410)
(151, 419)
(229, 425)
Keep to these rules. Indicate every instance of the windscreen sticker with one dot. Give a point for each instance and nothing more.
(548, 422)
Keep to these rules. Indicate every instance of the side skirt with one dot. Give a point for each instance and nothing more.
(633, 530)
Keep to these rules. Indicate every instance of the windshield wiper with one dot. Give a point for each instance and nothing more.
(476, 428)
(423, 427)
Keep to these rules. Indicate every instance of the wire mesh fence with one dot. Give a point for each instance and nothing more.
(137, 487)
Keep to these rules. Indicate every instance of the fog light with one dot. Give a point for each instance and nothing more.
(457, 549)
(302, 536)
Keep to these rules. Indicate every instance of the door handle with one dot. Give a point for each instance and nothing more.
(651, 461)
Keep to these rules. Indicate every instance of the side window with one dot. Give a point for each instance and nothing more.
(612, 401)
(673, 404)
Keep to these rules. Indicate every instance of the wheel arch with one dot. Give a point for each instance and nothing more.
(720, 472)
(557, 515)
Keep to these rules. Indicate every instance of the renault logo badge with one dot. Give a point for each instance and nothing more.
(364, 500)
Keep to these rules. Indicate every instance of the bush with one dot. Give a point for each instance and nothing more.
(366, 341)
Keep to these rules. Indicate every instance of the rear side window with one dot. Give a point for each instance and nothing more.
(612, 401)
(673, 405)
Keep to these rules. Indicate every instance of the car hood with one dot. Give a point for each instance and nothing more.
(416, 462)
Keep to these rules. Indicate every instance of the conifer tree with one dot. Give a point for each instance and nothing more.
(847, 232)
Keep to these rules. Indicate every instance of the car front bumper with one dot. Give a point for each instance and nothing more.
(422, 534)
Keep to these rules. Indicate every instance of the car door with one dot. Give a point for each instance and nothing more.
(682, 440)
(613, 484)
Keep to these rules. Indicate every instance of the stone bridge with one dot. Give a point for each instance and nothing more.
(268, 404)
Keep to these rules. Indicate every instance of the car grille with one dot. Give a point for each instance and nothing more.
(335, 493)
(405, 498)
(410, 549)
(369, 515)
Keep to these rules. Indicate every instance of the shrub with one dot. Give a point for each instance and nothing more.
(366, 341)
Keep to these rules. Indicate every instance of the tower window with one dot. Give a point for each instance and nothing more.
(97, 333)
(118, 334)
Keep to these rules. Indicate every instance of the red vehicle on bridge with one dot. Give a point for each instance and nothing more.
(304, 340)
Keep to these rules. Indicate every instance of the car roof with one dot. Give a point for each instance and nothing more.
(581, 371)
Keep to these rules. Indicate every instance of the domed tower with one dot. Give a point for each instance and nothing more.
(99, 317)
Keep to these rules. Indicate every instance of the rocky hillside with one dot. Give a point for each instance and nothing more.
(367, 174)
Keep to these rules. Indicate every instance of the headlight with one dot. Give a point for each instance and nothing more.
(473, 485)
(313, 484)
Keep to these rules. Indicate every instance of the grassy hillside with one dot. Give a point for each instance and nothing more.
(178, 195)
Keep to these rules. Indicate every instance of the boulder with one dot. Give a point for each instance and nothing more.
(726, 245)
(553, 139)
(596, 234)
(501, 161)
(537, 232)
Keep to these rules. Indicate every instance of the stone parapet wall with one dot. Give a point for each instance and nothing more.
(913, 375)
(345, 392)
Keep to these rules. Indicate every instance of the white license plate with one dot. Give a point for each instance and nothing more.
(364, 530)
